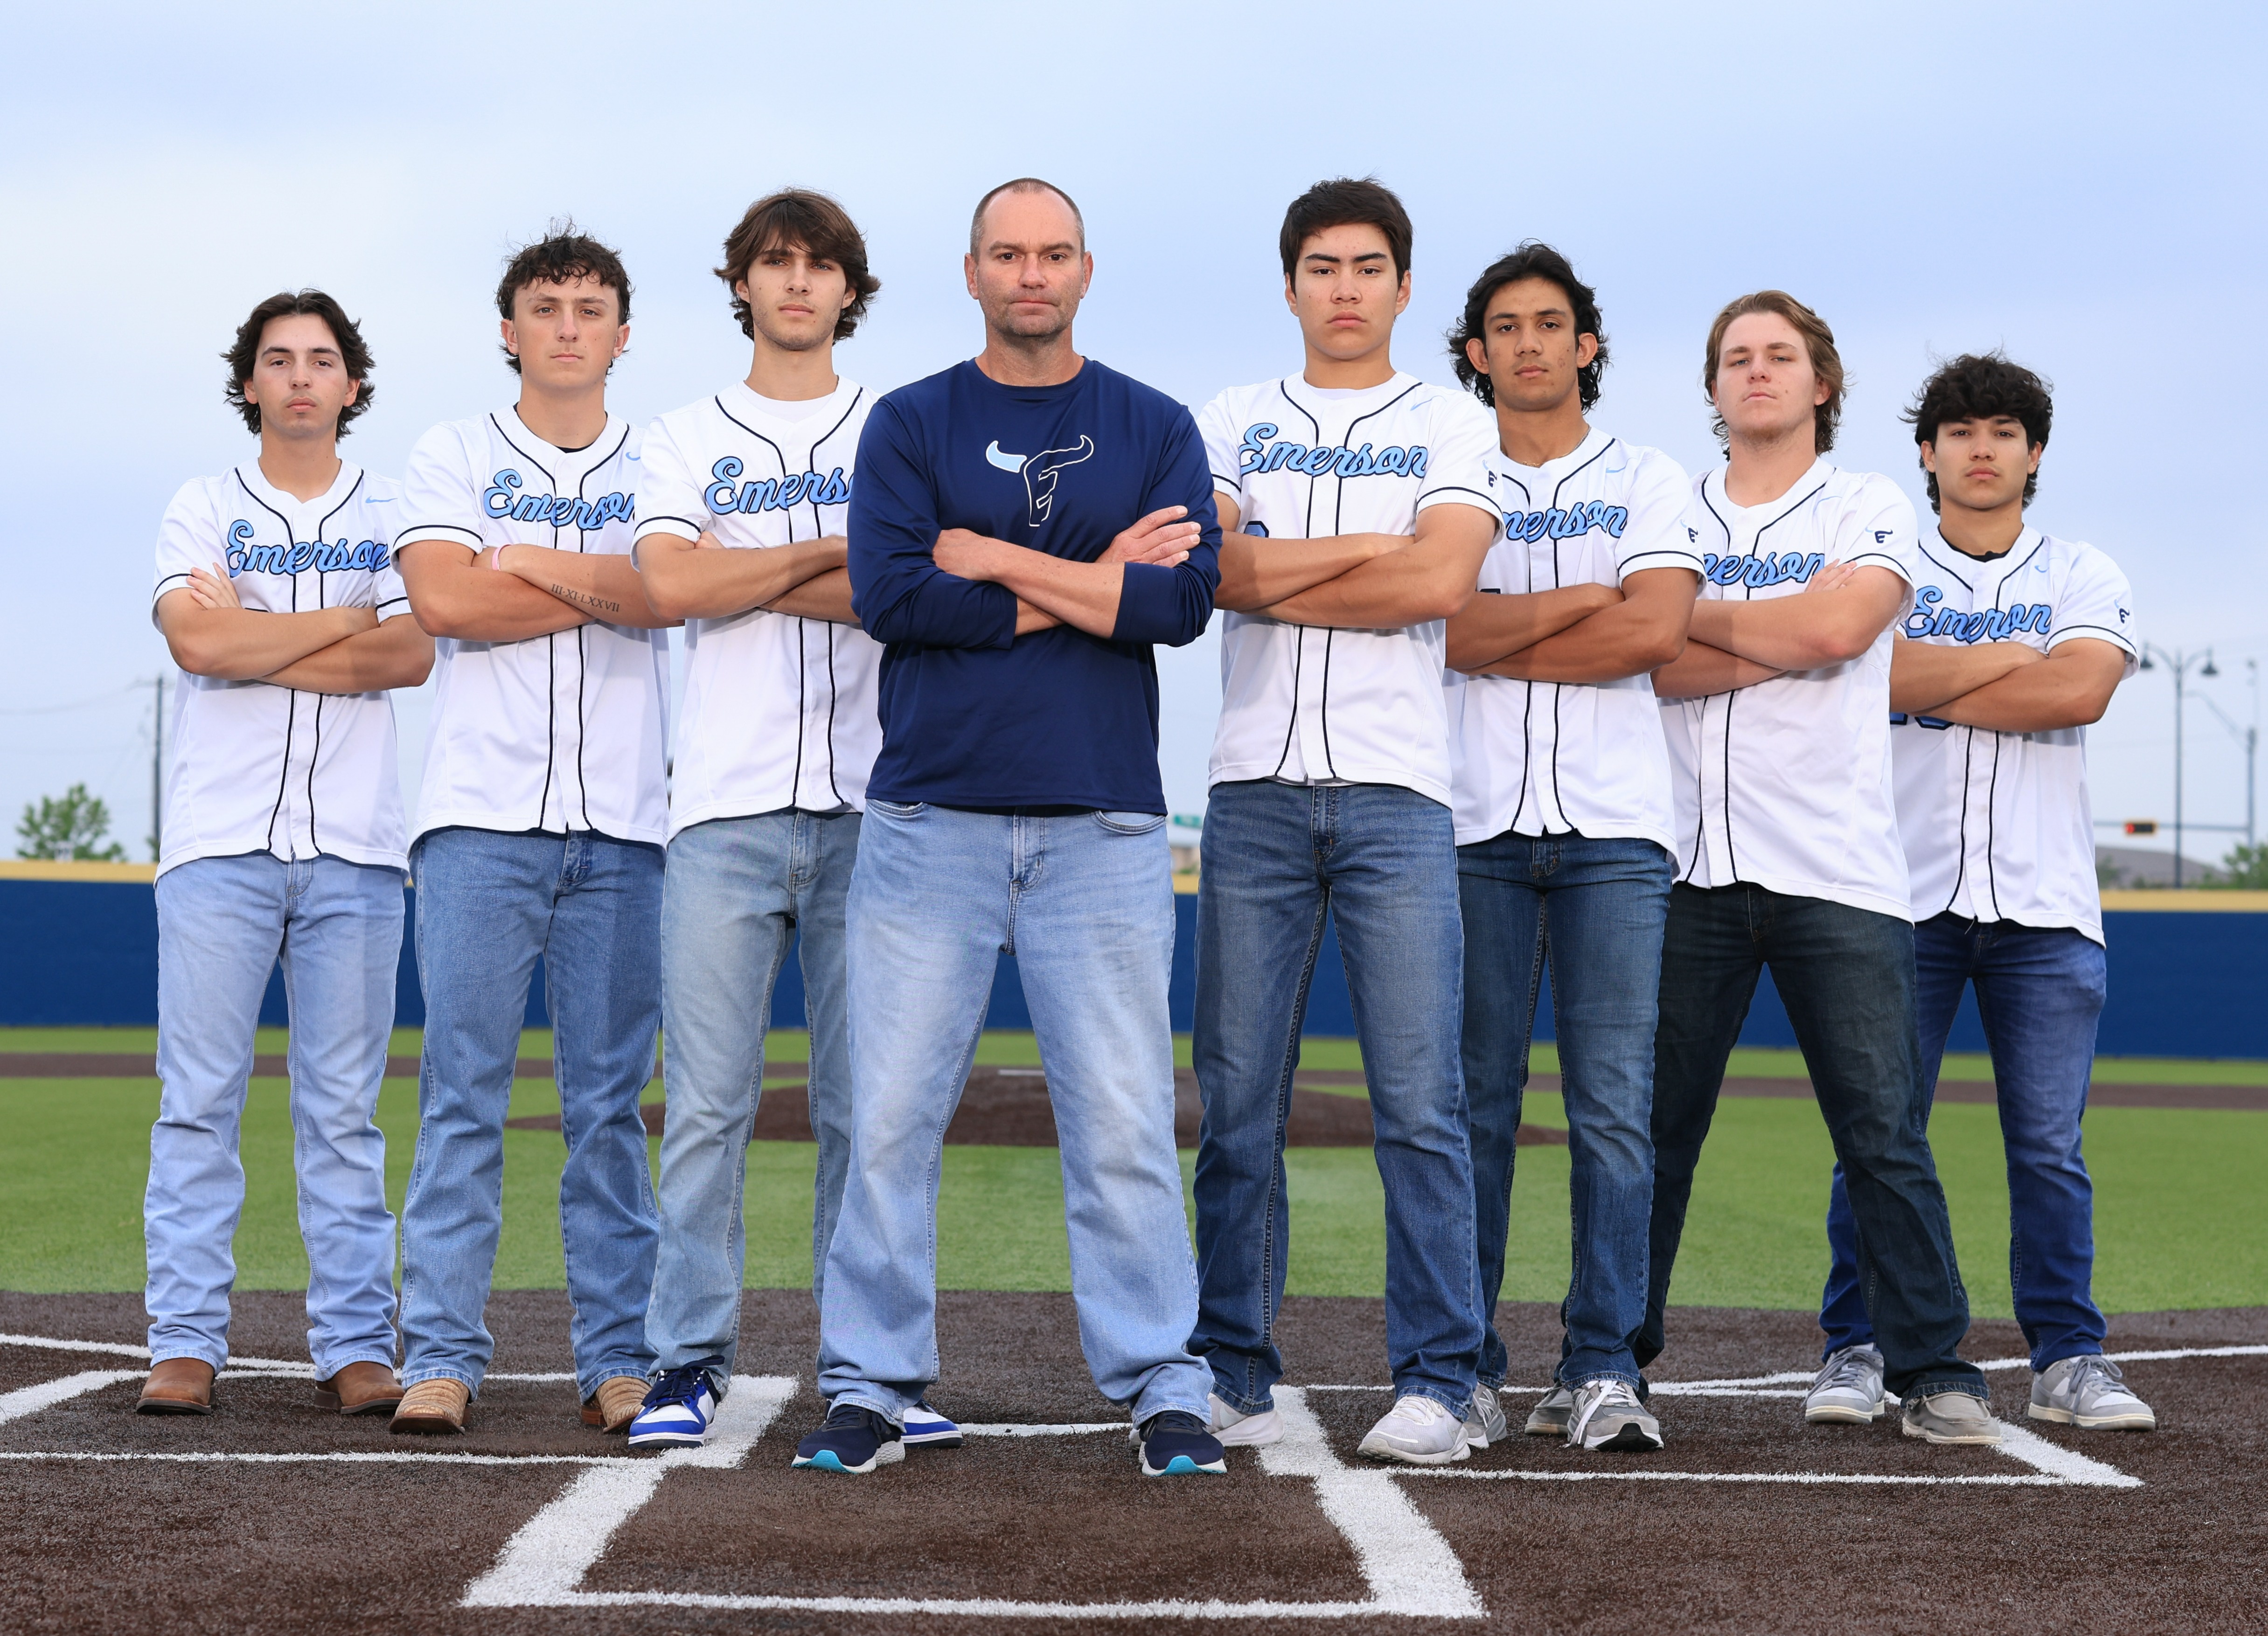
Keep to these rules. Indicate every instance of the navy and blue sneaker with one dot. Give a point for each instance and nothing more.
(1174, 1444)
(854, 1441)
(679, 1409)
(926, 1428)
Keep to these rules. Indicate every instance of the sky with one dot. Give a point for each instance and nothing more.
(2068, 182)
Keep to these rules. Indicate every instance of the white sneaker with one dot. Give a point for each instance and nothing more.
(1549, 1417)
(1486, 1424)
(1417, 1431)
(2089, 1392)
(1232, 1428)
(1607, 1415)
(1848, 1390)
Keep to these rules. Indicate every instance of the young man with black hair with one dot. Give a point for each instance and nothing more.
(1563, 814)
(282, 836)
(1026, 527)
(2014, 644)
(539, 836)
(1357, 510)
(1778, 717)
(741, 509)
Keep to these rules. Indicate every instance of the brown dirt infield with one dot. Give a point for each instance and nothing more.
(386, 1544)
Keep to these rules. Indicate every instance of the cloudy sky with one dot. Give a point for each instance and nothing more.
(2067, 181)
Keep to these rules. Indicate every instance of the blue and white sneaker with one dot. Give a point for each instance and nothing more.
(679, 1410)
(1174, 1444)
(854, 1441)
(926, 1429)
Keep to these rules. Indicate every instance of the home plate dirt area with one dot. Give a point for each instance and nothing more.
(270, 1515)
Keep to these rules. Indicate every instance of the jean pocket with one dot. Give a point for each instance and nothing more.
(897, 808)
(1131, 823)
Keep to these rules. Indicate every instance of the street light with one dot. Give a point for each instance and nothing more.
(2180, 663)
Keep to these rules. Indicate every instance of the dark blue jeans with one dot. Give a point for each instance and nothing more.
(1383, 862)
(2039, 991)
(1595, 909)
(1846, 976)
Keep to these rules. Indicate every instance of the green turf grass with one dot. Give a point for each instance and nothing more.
(2176, 1190)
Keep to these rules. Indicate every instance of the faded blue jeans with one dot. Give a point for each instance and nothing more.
(1595, 907)
(1382, 860)
(488, 903)
(2039, 992)
(222, 924)
(736, 894)
(1085, 902)
(1846, 976)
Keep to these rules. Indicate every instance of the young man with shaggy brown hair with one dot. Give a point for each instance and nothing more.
(2015, 642)
(539, 835)
(282, 838)
(1777, 715)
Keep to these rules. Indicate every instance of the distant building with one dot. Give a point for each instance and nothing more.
(2129, 868)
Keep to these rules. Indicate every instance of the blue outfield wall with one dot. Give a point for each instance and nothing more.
(2183, 984)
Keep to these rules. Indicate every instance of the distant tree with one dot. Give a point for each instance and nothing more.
(2108, 874)
(70, 826)
(2245, 868)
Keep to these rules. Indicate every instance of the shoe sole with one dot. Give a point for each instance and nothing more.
(1627, 1440)
(2092, 1422)
(1389, 1455)
(668, 1440)
(1182, 1465)
(423, 1426)
(169, 1405)
(932, 1440)
(1258, 1436)
(827, 1460)
(1974, 1439)
(1835, 1414)
(1556, 1427)
(331, 1403)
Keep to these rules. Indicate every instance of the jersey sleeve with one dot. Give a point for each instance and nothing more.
(1217, 426)
(187, 537)
(2096, 602)
(1656, 534)
(1462, 438)
(389, 596)
(440, 497)
(668, 500)
(1879, 531)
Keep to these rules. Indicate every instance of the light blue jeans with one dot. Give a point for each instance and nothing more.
(735, 894)
(487, 905)
(1085, 902)
(1383, 862)
(222, 924)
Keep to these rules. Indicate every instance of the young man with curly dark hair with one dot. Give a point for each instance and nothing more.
(282, 838)
(1563, 809)
(741, 510)
(539, 834)
(2015, 643)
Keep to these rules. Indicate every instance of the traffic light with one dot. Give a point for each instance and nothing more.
(2141, 826)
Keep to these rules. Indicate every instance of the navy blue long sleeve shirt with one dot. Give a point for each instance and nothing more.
(974, 715)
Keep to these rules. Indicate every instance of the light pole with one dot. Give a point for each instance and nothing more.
(2250, 737)
(2179, 664)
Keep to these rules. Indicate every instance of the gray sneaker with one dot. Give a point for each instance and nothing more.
(1950, 1417)
(1848, 1390)
(1608, 1416)
(1486, 1423)
(2088, 1392)
(1550, 1417)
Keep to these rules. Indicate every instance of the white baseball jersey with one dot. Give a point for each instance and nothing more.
(1549, 757)
(779, 711)
(254, 768)
(1997, 825)
(561, 732)
(1308, 705)
(1787, 784)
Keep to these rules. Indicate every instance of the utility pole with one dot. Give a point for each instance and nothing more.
(2179, 664)
(157, 770)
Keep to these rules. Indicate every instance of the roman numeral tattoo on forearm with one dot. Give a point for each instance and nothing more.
(584, 599)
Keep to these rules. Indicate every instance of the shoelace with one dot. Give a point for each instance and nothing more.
(2090, 1367)
(1425, 1410)
(1173, 1421)
(682, 1384)
(1611, 1392)
(1850, 1366)
(847, 1414)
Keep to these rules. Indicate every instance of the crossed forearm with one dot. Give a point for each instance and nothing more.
(604, 586)
(397, 654)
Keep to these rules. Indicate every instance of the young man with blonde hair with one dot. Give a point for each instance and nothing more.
(1777, 716)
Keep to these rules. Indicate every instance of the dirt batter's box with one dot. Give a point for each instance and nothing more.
(1403, 1565)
